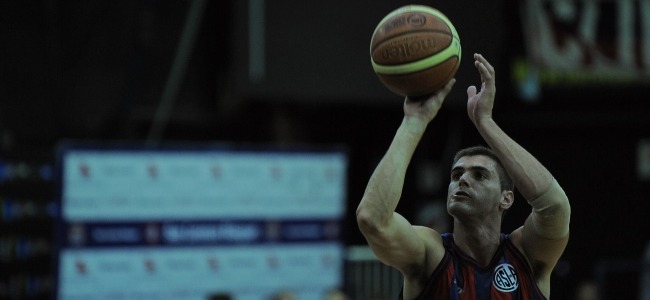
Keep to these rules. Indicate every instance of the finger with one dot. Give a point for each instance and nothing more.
(486, 75)
(471, 91)
(443, 92)
(418, 98)
(447, 88)
(480, 58)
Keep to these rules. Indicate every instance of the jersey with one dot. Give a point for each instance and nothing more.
(459, 277)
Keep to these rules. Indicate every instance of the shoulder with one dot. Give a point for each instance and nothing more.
(540, 254)
(433, 254)
(514, 242)
(434, 249)
(418, 276)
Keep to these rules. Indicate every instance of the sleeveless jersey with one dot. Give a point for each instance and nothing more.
(458, 277)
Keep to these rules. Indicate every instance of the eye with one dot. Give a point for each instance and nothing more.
(480, 176)
(455, 176)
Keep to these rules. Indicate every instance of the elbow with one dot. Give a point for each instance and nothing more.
(553, 204)
(367, 220)
(562, 210)
(364, 219)
(564, 214)
(553, 221)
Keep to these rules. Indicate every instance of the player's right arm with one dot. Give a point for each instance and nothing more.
(415, 251)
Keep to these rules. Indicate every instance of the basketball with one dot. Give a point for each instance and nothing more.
(415, 50)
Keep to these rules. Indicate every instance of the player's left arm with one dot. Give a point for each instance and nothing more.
(545, 233)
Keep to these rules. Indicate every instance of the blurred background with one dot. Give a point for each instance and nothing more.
(573, 79)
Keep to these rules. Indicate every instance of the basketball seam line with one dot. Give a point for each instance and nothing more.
(402, 74)
(414, 32)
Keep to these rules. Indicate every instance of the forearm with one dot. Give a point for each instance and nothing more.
(530, 177)
(551, 209)
(384, 188)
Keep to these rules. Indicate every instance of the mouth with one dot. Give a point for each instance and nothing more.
(461, 195)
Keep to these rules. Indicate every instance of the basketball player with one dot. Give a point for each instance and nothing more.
(476, 260)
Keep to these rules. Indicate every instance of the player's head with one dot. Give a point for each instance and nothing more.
(505, 180)
(479, 184)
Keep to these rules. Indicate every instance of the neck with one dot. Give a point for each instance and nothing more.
(478, 241)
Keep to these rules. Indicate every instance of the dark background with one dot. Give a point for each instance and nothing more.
(98, 70)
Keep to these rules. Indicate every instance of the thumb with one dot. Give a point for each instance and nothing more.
(471, 91)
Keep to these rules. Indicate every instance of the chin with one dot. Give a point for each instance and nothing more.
(458, 209)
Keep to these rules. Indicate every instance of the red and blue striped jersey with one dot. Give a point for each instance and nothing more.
(459, 277)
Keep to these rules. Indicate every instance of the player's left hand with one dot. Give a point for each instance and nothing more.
(479, 105)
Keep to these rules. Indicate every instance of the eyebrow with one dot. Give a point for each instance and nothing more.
(472, 168)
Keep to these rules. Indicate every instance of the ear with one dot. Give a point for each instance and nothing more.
(507, 199)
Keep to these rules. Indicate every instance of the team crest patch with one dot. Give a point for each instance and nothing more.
(505, 278)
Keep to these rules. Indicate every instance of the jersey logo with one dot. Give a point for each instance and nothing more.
(505, 278)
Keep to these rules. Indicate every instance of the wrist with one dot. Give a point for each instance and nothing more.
(484, 122)
(414, 125)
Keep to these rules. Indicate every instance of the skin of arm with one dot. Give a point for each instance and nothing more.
(545, 233)
(414, 250)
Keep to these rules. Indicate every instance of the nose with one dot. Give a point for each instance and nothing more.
(463, 179)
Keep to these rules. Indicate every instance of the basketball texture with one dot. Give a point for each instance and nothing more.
(415, 50)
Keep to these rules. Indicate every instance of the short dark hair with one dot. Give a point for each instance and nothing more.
(504, 178)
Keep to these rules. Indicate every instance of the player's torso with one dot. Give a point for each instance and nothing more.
(507, 277)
